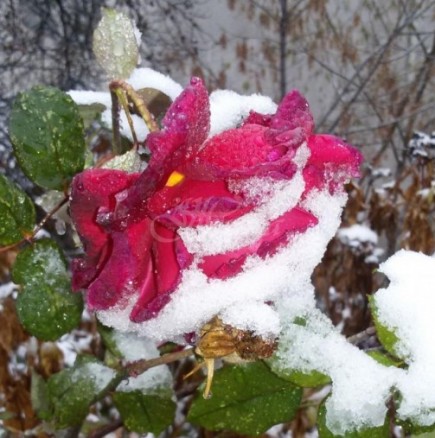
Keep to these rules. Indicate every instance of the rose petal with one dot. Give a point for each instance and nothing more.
(128, 269)
(91, 190)
(193, 202)
(245, 152)
(186, 126)
(166, 268)
(293, 112)
(332, 162)
(226, 265)
(144, 312)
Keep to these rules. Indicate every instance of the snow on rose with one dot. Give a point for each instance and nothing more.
(204, 230)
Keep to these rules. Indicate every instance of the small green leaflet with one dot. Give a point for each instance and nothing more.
(115, 45)
(70, 392)
(46, 307)
(145, 413)
(17, 213)
(247, 399)
(48, 137)
(386, 336)
(373, 432)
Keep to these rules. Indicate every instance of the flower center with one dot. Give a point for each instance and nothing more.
(174, 179)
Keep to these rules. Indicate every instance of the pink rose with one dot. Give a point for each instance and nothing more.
(132, 224)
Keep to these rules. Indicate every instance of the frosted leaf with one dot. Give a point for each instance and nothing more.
(115, 44)
(361, 386)
(130, 162)
(97, 373)
(407, 307)
(132, 348)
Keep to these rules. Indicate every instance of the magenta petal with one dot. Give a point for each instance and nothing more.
(262, 146)
(128, 269)
(90, 191)
(166, 268)
(141, 313)
(165, 275)
(186, 126)
(332, 162)
(277, 233)
(244, 152)
(194, 202)
(255, 118)
(293, 112)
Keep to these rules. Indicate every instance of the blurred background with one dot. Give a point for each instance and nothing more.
(367, 69)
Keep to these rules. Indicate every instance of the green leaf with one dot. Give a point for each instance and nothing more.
(115, 45)
(48, 138)
(246, 399)
(48, 312)
(386, 336)
(107, 335)
(73, 390)
(129, 161)
(384, 359)
(373, 432)
(46, 306)
(39, 396)
(145, 413)
(411, 429)
(299, 378)
(91, 112)
(17, 213)
(305, 380)
(42, 262)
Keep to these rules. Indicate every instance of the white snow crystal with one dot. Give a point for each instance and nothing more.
(140, 78)
(357, 234)
(407, 307)
(7, 289)
(149, 78)
(228, 108)
(281, 196)
(361, 387)
(132, 348)
(197, 299)
(99, 374)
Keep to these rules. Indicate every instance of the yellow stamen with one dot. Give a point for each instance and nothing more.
(174, 179)
(209, 364)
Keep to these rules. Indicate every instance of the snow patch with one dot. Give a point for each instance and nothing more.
(228, 109)
(132, 348)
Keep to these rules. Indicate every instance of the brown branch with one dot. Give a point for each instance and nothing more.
(105, 430)
(136, 368)
(30, 238)
(361, 336)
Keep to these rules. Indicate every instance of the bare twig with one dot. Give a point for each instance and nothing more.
(105, 430)
(138, 367)
(31, 237)
(359, 337)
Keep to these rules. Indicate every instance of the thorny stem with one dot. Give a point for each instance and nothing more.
(123, 93)
(30, 238)
(138, 367)
(356, 339)
(134, 369)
